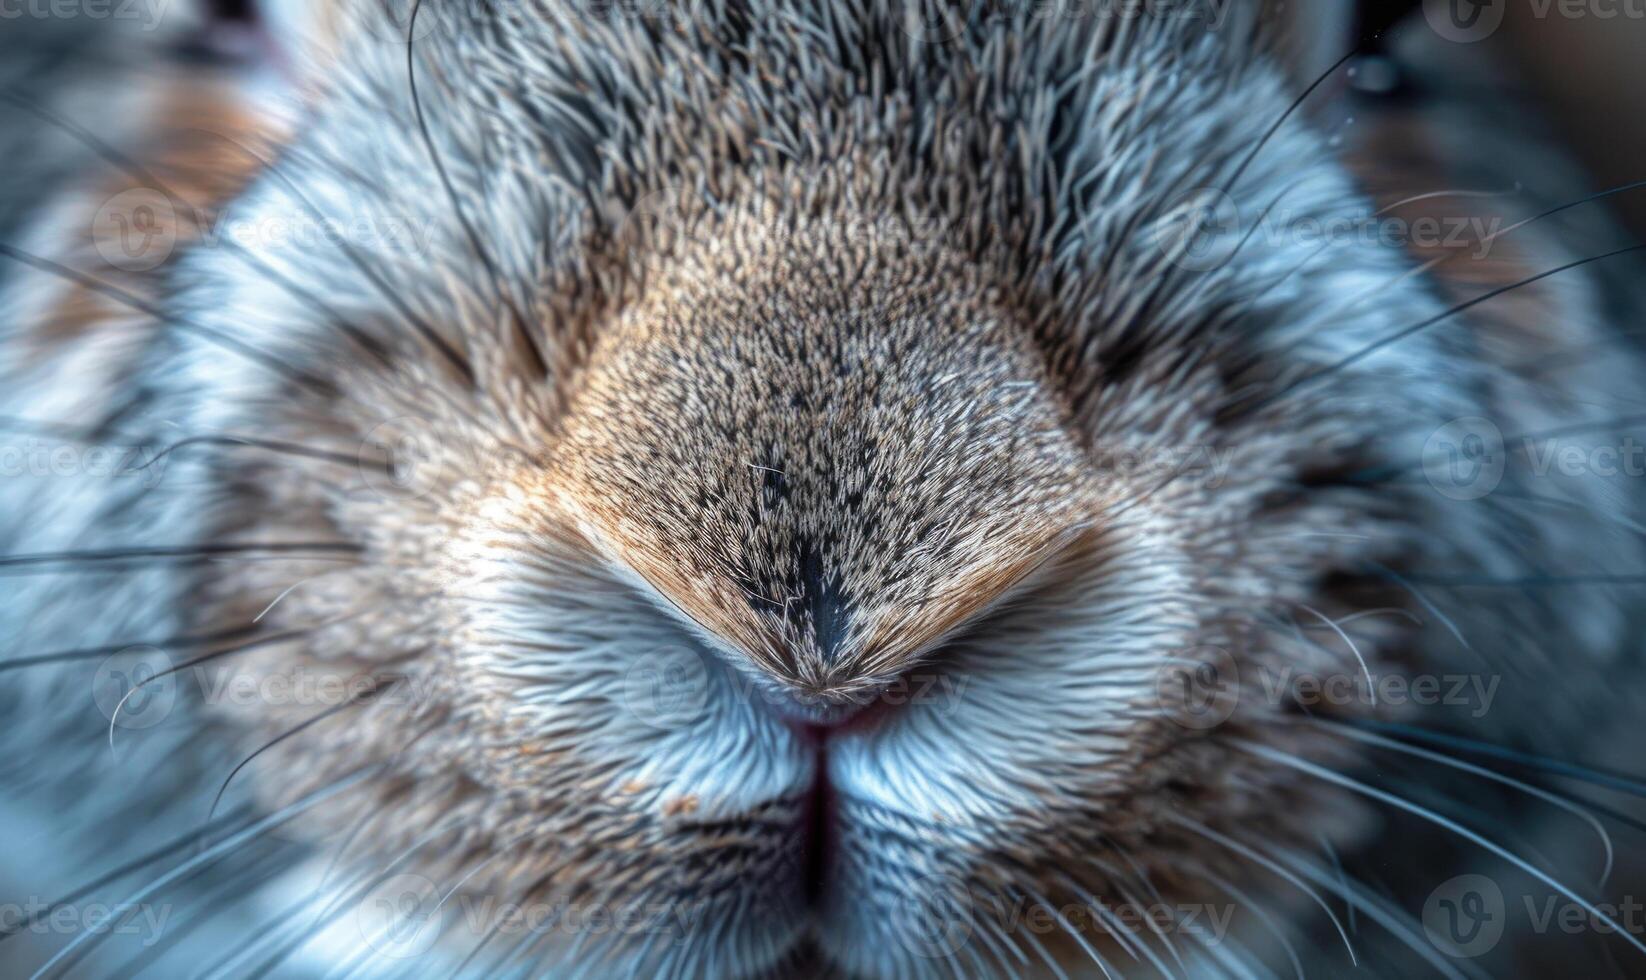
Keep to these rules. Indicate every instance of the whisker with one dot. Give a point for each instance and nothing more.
(274, 446)
(1262, 914)
(1291, 110)
(271, 928)
(1399, 335)
(418, 323)
(1359, 897)
(1439, 820)
(259, 869)
(1619, 782)
(300, 549)
(1368, 738)
(126, 298)
(1371, 688)
(540, 363)
(1425, 602)
(92, 653)
(215, 852)
(1091, 951)
(1046, 957)
(1599, 195)
(1148, 920)
(238, 815)
(303, 726)
(146, 177)
(1273, 868)
(235, 887)
(269, 640)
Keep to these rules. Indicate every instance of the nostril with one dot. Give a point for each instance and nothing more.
(230, 32)
(238, 11)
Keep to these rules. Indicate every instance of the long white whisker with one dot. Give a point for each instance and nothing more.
(1321, 772)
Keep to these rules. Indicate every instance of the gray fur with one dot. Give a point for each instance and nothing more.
(855, 340)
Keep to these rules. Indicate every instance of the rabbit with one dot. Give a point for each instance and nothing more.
(870, 488)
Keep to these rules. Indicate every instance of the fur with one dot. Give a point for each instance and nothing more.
(762, 363)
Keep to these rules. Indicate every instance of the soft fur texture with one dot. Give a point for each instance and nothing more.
(767, 364)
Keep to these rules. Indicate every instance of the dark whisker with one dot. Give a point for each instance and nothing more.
(217, 852)
(1348, 731)
(239, 815)
(248, 881)
(1621, 782)
(373, 276)
(194, 552)
(92, 653)
(142, 174)
(127, 298)
(256, 644)
(1271, 866)
(1399, 335)
(1291, 110)
(539, 363)
(342, 903)
(353, 702)
(287, 448)
(1357, 896)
